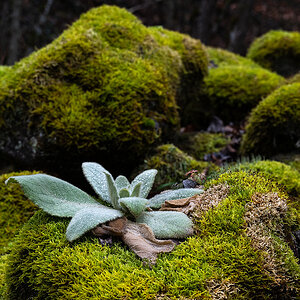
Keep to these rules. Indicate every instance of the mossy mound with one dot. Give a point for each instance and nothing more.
(295, 78)
(278, 51)
(105, 89)
(224, 258)
(172, 165)
(273, 126)
(15, 209)
(232, 91)
(220, 57)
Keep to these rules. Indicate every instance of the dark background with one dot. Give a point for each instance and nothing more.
(27, 25)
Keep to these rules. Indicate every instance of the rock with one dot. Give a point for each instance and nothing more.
(105, 90)
(273, 126)
(278, 51)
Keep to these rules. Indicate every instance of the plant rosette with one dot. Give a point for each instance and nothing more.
(127, 212)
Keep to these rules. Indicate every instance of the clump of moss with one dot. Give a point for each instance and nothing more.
(172, 165)
(220, 57)
(106, 87)
(232, 91)
(273, 126)
(221, 259)
(278, 51)
(15, 209)
(295, 78)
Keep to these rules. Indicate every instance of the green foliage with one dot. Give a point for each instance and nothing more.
(15, 209)
(222, 57)
(273, 126)
(172, 165)
(60, 198)
(231, 91)
(220, 259)
(278, 51)
(107, 83)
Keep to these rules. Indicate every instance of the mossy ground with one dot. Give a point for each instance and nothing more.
(108, 85)
(219, 259)
(278, 51)
(273, 126)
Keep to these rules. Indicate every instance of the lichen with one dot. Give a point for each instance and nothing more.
(273, 126)
(278, 51)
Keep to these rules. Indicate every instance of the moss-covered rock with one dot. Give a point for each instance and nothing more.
(172, 165)
(15, 209)
(104, 90)
(226, 257)
(278, 51)
(221, 57)
(273, 126)
(231, 91)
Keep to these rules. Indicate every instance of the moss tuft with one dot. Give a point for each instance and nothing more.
(222, 255)
(233, 90)
(278, 51)
(273, 126)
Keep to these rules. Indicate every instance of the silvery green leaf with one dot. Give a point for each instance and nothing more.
(55, 196)
(94, 173)
(147, 179)
(134, 205)
(122, 182)
(88, 218)
(167, 224)
(124, 193)
(136, 190)
(113, 193)
(158, 200)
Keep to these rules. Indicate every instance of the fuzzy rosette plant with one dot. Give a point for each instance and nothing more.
(122, 198)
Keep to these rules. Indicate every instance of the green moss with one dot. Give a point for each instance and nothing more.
(221, 258)
(295, 78)
(221, 57)
(172, 165)
(3, 260)
(15, 209)
(273, 126)
(91, 90)
(232, 91)
(278, 51)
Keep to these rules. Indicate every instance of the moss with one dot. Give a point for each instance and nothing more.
(16, 209)
(221, 57)
(43, 265)
(3, 260)
(90, 91)
(273, 126)
(232, 91)
(278, 51)
(172, 165)
(295, 78)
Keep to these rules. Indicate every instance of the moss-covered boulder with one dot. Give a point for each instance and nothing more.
(278, 51)
(240, 251)
(273, 126)
(231, 91)
(172, 165)
(15, 209)
(221, 57)
(106, 89)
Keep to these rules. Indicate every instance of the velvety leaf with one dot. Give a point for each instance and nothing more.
(136, 190)
(124, 193)
(167, 224)
(147, 179)
(88, 218)
(94, 173)
(113, 193)
(55, 196)
(122, 182)
(158, 200)
(134, 205)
